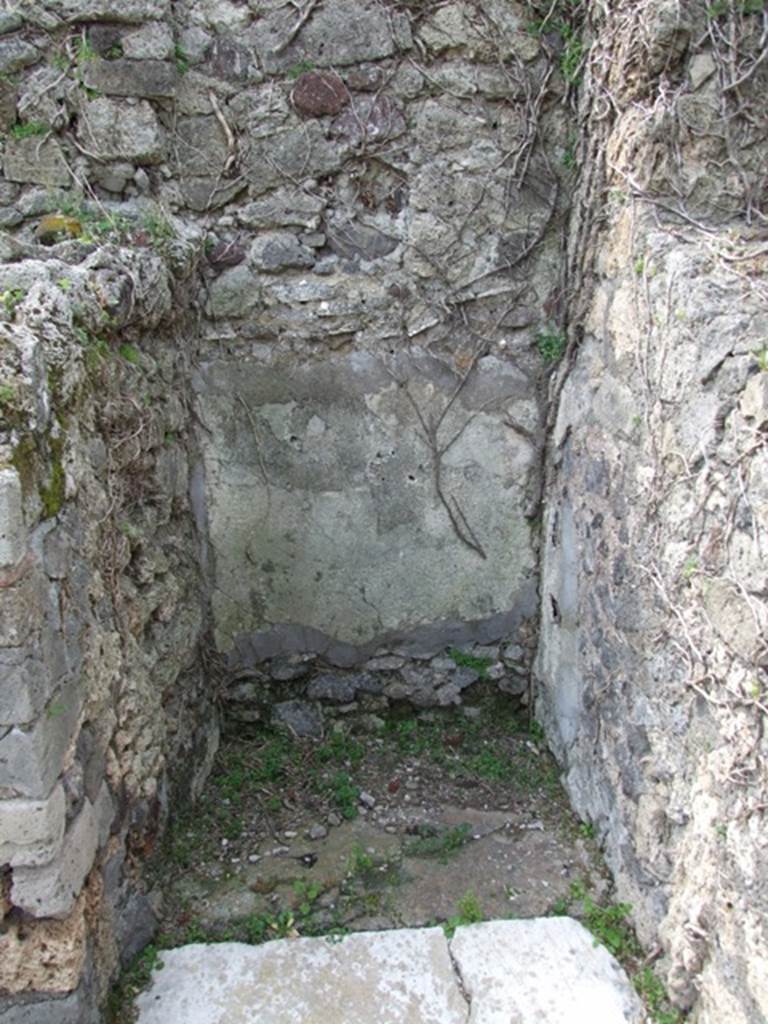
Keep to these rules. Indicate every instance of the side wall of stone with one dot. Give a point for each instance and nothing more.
(105, 717)
(652, 662)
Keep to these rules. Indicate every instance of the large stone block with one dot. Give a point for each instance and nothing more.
(547, 970)
(77, 1007)
(147, 78)
(31, 759)
(234, 293)
(292, 154)
(13, 534)
(116, 131)
(16, 54)
(201, 146)
(346, 32)
(153, 41)
(37, 160)
(31, 831)
(51, 891)
(22, 609)
(398, 977)
(126, 11)
(26, 685)
(45, 956)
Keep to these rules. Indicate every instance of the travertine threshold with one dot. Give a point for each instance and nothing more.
(545, 970)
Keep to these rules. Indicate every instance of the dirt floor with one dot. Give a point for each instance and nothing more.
(430, 817)
(406, 819)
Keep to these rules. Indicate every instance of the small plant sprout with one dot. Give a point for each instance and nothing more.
(550, 345)
(28, 130)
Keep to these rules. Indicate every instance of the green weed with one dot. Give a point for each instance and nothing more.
(298, 69)
(28, 130)
(479, 665)
(135, 978)
(130, 354)
(182, 59)
(651, 990)
(344, 794)
(550, 345)
(360, 862)
(610, 926)
(761, 355)
(7, 394)
(438, 843)
(468, 911)
(11, 298)
(341, 749)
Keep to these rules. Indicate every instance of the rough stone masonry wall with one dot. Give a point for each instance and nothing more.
(653, 660)
(361, 210)
(104, 714)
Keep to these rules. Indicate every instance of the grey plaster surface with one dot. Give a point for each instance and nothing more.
(322, 505)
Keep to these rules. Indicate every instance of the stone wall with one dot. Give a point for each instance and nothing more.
(230, 233)
(228, 236)
(104, 713)
(652, 661)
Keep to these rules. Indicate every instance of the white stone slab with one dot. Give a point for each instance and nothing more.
(396, 977)
(541, 971)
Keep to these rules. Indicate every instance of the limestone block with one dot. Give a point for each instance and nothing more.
(51, 891)
(346, 32)
(26, 684)
(153, 41)
(286, 207)
(370, 119)
(21, 609)
(546, 970)
(127, 11)
(116, 131)
(279, 250)
(31, 831)
(201, 146)
(76, 1007)
(147, 78)
(31, 759)
(36, 160)
(13, 534)
(46, 956)
(291, 154)
(300, 717)
(754, 400)
(401, 977)
(16, 54)
(7, 104)
(234, 293)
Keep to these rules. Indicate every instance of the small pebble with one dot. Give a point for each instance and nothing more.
(290, 834)
(333, 819)
(318, 832)
(367, 799)
(253, 857)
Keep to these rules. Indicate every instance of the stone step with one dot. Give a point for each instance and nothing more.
(537, 971)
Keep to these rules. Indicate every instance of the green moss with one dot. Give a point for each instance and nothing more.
(24, 461)
(52, 493)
